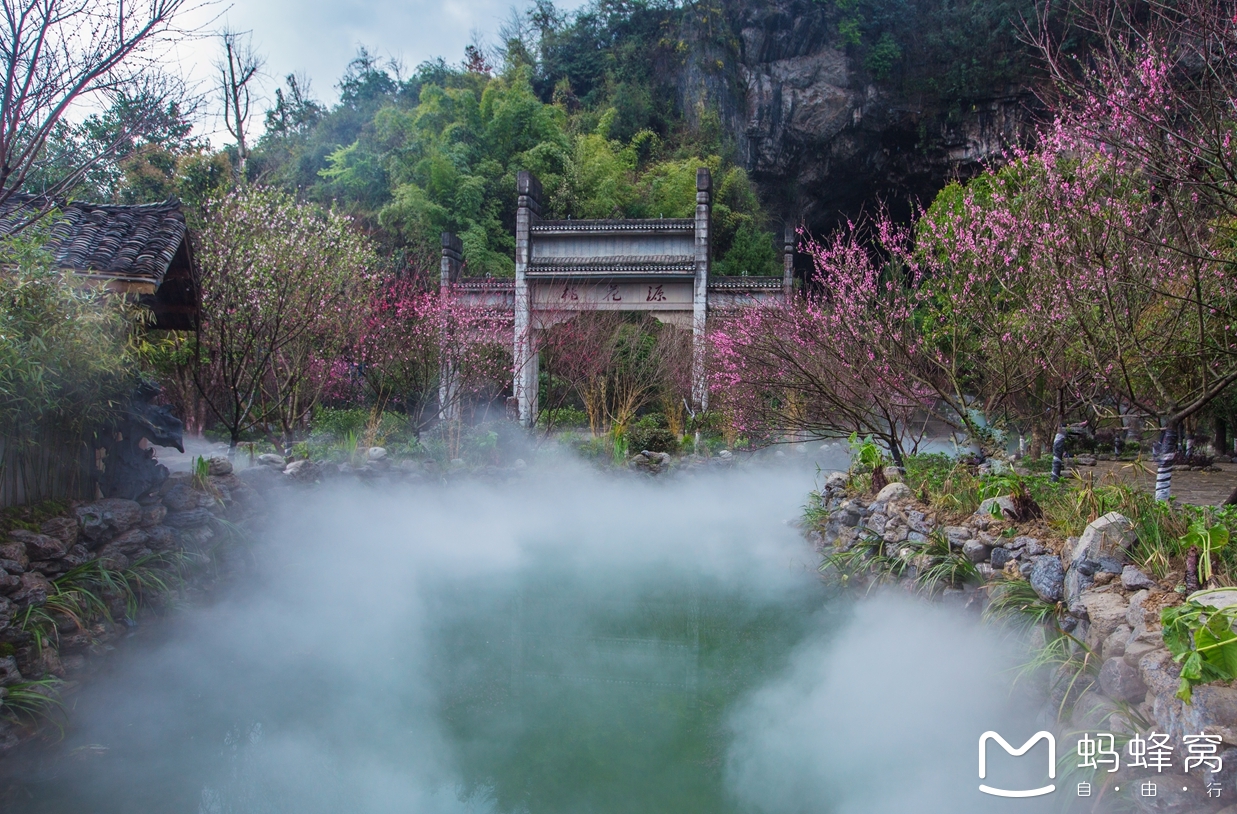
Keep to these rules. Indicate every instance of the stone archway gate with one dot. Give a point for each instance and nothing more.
(658, 266)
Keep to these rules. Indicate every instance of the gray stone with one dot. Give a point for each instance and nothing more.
(1106, 611)
(272, 460)
(9, 583)
(1159, 672)
(986, 571)
(39, 546)
(1212, 710)
(33, 590)
(1136, 648)
(1077, 581)
(376, 453)
(14, 553)
(1134, 614)
(153, 515)
(261, 477)
(1133, 580)
(1000, 556)
(104, 519)
(1216, 597)
(1121, 682)
(64, 529)
(876, 524)
(916, 537)
(189, 519)
(1025, 568)
(975, 551)
(1114, 645)
(9, 674)
(1048, 578)
(893, 492)
(1110, 565)
(181, 498)
(218, 466)
(302, 471)
(957, 534)
(1093, 711)
(77, 555)
(132, 540)
(895, 534)
(1227, 776)
(113, 558)
(917, 521)
(1004, 503)
(1107, 536)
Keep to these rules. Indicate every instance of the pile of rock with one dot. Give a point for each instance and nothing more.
(1108, 604)
(379, 467)
(114, 533)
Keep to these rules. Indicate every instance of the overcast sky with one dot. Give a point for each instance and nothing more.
(319, 37)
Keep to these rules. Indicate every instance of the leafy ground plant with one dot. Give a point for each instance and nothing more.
(1202, 641)
(29, 702)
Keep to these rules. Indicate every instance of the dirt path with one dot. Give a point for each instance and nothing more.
(1198, 488)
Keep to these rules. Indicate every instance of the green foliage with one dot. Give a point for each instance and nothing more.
(865, 455)
(654, 439)
(29, 702)
(1202, 641)
(1209, 539)
(65, 356)
(1013, 600)
(562, 417)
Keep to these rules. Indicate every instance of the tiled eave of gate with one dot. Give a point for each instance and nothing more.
(614, 227)
(666, 266)
(733, 284)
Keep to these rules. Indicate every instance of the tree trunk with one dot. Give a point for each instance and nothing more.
(1036, 450)
(1168, 454)
(895, 452)
(1220, 442)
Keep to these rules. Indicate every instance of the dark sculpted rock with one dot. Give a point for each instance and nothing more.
(130, 470)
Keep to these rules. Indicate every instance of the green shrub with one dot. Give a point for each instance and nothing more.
(653, 439)
(65, 356)
(338, 423)
(562, 417)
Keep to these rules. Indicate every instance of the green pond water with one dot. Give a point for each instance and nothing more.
(422, 654)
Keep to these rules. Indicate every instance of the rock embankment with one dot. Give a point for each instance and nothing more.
(72, 587)
(1110, 607)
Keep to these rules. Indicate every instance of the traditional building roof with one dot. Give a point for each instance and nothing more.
(142, 250)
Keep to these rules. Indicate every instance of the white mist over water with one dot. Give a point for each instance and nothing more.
(567, 642)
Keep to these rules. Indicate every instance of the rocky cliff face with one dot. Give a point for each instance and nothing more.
(824, 138)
